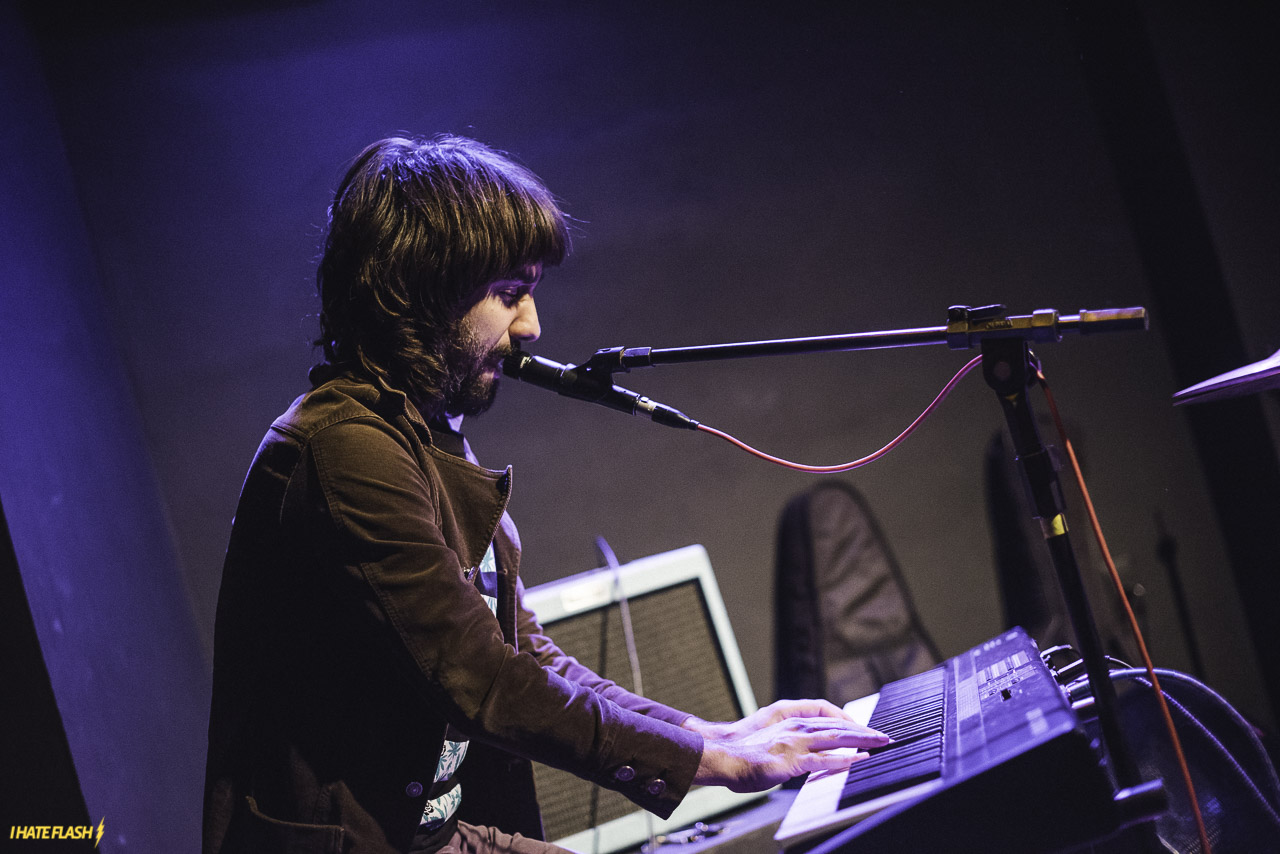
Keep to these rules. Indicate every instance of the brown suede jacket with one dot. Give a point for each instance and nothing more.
(349, 634)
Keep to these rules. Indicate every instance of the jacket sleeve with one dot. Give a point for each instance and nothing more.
(410, 590)
(534, 639)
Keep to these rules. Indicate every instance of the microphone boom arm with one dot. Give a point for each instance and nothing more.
(966, 328)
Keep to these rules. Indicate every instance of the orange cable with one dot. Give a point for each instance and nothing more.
(1128, 609)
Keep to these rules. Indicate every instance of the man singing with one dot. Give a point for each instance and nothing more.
(378, 684)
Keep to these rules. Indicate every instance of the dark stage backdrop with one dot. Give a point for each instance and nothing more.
(736, 171)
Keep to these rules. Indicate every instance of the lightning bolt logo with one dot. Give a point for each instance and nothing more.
(100, 824)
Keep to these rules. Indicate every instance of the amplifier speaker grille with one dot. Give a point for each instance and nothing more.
(681, 665)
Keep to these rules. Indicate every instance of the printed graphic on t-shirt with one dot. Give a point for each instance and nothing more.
(487, 579)
(439, 809)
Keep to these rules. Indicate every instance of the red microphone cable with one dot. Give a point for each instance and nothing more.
(942, 395)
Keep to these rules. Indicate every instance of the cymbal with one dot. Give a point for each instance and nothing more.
(1251, 378)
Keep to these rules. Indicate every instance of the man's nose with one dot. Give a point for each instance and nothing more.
(525, 327)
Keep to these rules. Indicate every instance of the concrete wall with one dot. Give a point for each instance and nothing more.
(88, 524)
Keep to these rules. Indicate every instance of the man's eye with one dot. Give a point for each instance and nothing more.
(511, 296)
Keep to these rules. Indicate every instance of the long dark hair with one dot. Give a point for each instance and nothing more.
(417, 230)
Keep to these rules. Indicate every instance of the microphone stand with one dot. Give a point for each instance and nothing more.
(1009, 368)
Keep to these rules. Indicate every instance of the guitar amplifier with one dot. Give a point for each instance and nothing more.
(688, 658)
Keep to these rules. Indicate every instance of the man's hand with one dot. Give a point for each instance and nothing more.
(769, 715)
(778, 742)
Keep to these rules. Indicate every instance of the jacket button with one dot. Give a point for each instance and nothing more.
(656, 787)
(414, 789)
(625, 774)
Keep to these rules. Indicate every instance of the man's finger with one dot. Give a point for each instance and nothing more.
(838, 726)
(811, 709)
(827, 739)
(830, 760)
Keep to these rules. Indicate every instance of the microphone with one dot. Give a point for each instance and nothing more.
(578, 383)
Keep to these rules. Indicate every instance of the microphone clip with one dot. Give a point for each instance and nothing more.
(610, 360)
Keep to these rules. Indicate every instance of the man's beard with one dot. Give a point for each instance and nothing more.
(468, 387)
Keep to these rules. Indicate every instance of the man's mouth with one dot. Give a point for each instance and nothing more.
(496, 357)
